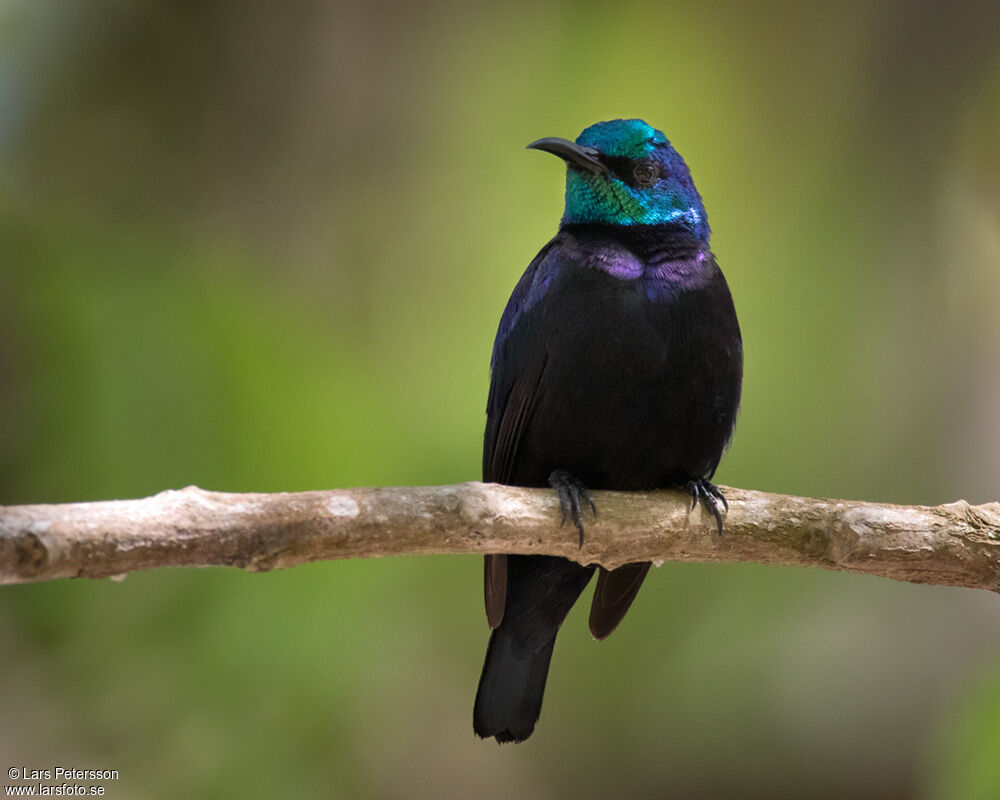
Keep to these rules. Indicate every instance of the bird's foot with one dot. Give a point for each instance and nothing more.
(572, 495)
(708, 494)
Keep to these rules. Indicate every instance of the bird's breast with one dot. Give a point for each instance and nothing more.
(664, 275)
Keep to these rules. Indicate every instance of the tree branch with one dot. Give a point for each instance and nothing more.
(954, 544)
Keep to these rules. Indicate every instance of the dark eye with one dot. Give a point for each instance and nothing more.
(646, 173)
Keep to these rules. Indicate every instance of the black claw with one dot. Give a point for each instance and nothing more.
(716, 492)
(570, 491)
(707, 493)
(692, 487)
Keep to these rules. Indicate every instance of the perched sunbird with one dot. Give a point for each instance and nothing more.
(617, 365)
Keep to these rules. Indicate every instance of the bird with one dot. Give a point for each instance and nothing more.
(617, 364)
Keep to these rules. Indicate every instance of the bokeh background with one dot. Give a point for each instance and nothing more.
(263, 247)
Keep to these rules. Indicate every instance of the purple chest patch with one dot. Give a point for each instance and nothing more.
(664, 278)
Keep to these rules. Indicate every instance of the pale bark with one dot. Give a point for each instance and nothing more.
(954, 544)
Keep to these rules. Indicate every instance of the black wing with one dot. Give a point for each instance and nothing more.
(513, 391)
(616, 589)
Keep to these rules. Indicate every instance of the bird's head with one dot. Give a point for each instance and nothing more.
(625, 172)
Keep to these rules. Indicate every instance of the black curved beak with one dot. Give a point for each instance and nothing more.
(575, 155)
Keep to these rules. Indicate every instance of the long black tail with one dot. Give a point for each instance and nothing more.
(540, 592)
(509, 698)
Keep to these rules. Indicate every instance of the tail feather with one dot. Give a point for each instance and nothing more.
(509, 698)
(540, 592)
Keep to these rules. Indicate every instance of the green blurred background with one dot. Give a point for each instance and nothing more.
(264, 247)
